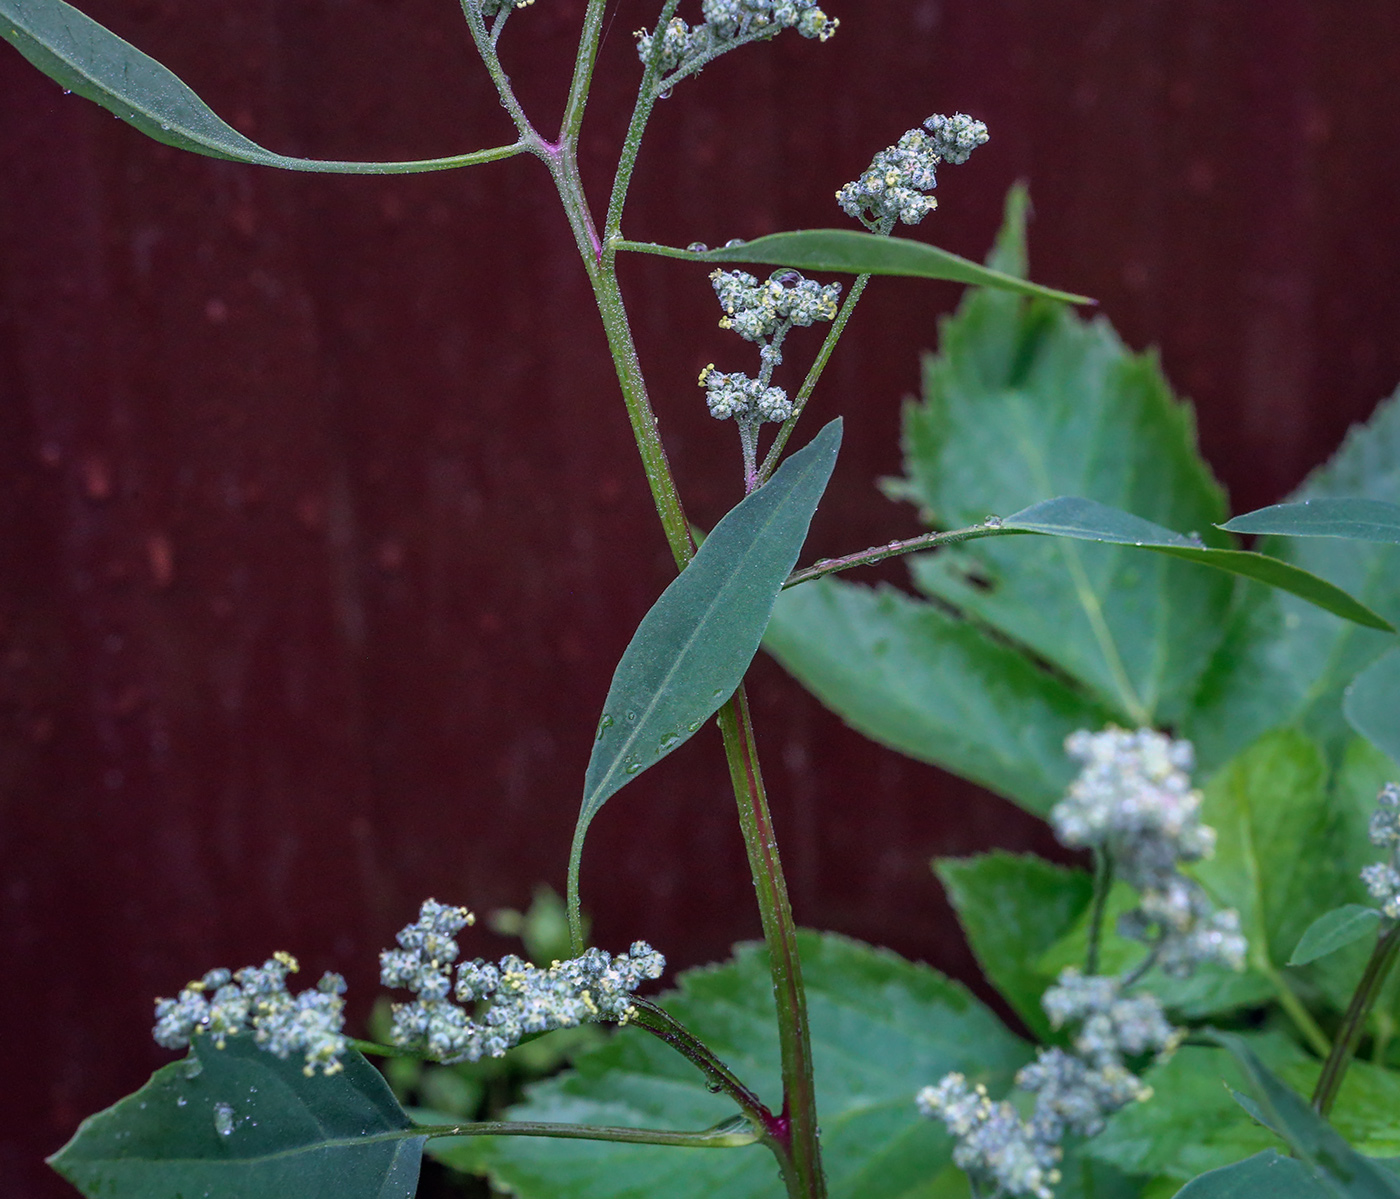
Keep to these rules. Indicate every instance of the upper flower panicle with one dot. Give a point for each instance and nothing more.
(730, 23)
(894, 186)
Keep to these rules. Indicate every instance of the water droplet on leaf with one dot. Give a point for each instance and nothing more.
(631, 767)
(223, 1119)
(193, 1067)
(993, 522)
(603, 726)
(180, 1101)
(734, 241)
(631, 718)
(697, 247)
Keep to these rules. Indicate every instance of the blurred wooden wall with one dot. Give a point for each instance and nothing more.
(323, 526)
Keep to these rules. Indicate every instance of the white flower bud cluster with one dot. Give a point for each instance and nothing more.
(489, 8)
(523, 999)
(729, 23)
(1133, 801)
(893, 187)
(1074, 1092)
(1383, 878)
(736, 395)
(994, 1145)
(255, 999)
(756, 311)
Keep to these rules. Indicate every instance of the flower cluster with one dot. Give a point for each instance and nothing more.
(1133, 802)
(522, 999)
(1074, 1091)
(729, 23)
(489, 8)
(894, 186)
(1383, 879)
(255, 999)
(736, 395)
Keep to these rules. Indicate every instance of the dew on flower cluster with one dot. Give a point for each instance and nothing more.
(727, 24)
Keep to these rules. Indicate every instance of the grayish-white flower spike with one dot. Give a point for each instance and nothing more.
(731, 23)
(993, 1144)
(522, 999)
(255, 999)
(894, 187)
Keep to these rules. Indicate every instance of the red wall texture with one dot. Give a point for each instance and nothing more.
(323, 526)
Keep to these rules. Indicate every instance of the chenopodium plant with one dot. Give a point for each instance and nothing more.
(274, 1098)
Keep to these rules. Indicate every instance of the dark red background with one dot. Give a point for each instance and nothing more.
(323, 529)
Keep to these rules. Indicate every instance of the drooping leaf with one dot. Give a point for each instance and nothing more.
(1026, 400)
(881, 1029)
(1343, 1171)
(856, 253)
(1333, 931)
(89, 59)
(1086, 520)
(1266, 1175)
(239, 1121)
(1012, 908)
(1284, 662)
(1193, 1122)
(1325, 516)
(910, 676)
(692, 648)
(1372, 704)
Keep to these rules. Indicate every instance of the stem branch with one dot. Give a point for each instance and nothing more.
(1334, 1069)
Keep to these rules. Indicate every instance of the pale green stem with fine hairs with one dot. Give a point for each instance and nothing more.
(799, 1158)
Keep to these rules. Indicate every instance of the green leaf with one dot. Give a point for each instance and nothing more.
(1013, 907)
(1027, 400)
(322, 1137)
(1285, 662)
(1342, 1170)
(912, 677)
(1326, 516)
(1333, 930)
(1086, 520)
(692, 648)
(881, 1028)
(1266, 1175)
(856, 253)
(1372, 704)
(89, 59)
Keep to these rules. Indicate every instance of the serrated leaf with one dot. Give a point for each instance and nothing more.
(1013, 907)
(1334, 930)
(1026, 400)
(341, 1136)
(910, 676)
(853, 252)
(1087, 520)
(1343, 1171)
(881, 1028)
(1372, 704)
(1266, 1175)
(1284, 662)
(89, 59)
(1326, 516)
(692, 648)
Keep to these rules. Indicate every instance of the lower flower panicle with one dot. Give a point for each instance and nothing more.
(255, 999)
(521, 999)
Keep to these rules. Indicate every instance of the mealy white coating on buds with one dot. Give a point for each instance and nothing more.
(894, 187)
(995, 1146)
(523, 999)
(756, 311)
(735, 395)
(1133, 801)
(489, 8)
(1382, 879)
(729, 23)
(1112, 1025)
(1385, 822)
(255, 1000)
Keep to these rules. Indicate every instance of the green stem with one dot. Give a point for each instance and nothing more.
(1334, 1069)
(486, 47)
(809, 384)
(892, 549)
(1103, 883)
(723, 1136)
(1295, 1010)
(802, 1169)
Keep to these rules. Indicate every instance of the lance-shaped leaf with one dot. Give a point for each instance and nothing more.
(239, 1121)
(1267, 1175)
(691, 650)
(852, 252)
(1356, 519)
(1088, 520)
(1333, 930)
(90, 59)
(1372, 704)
